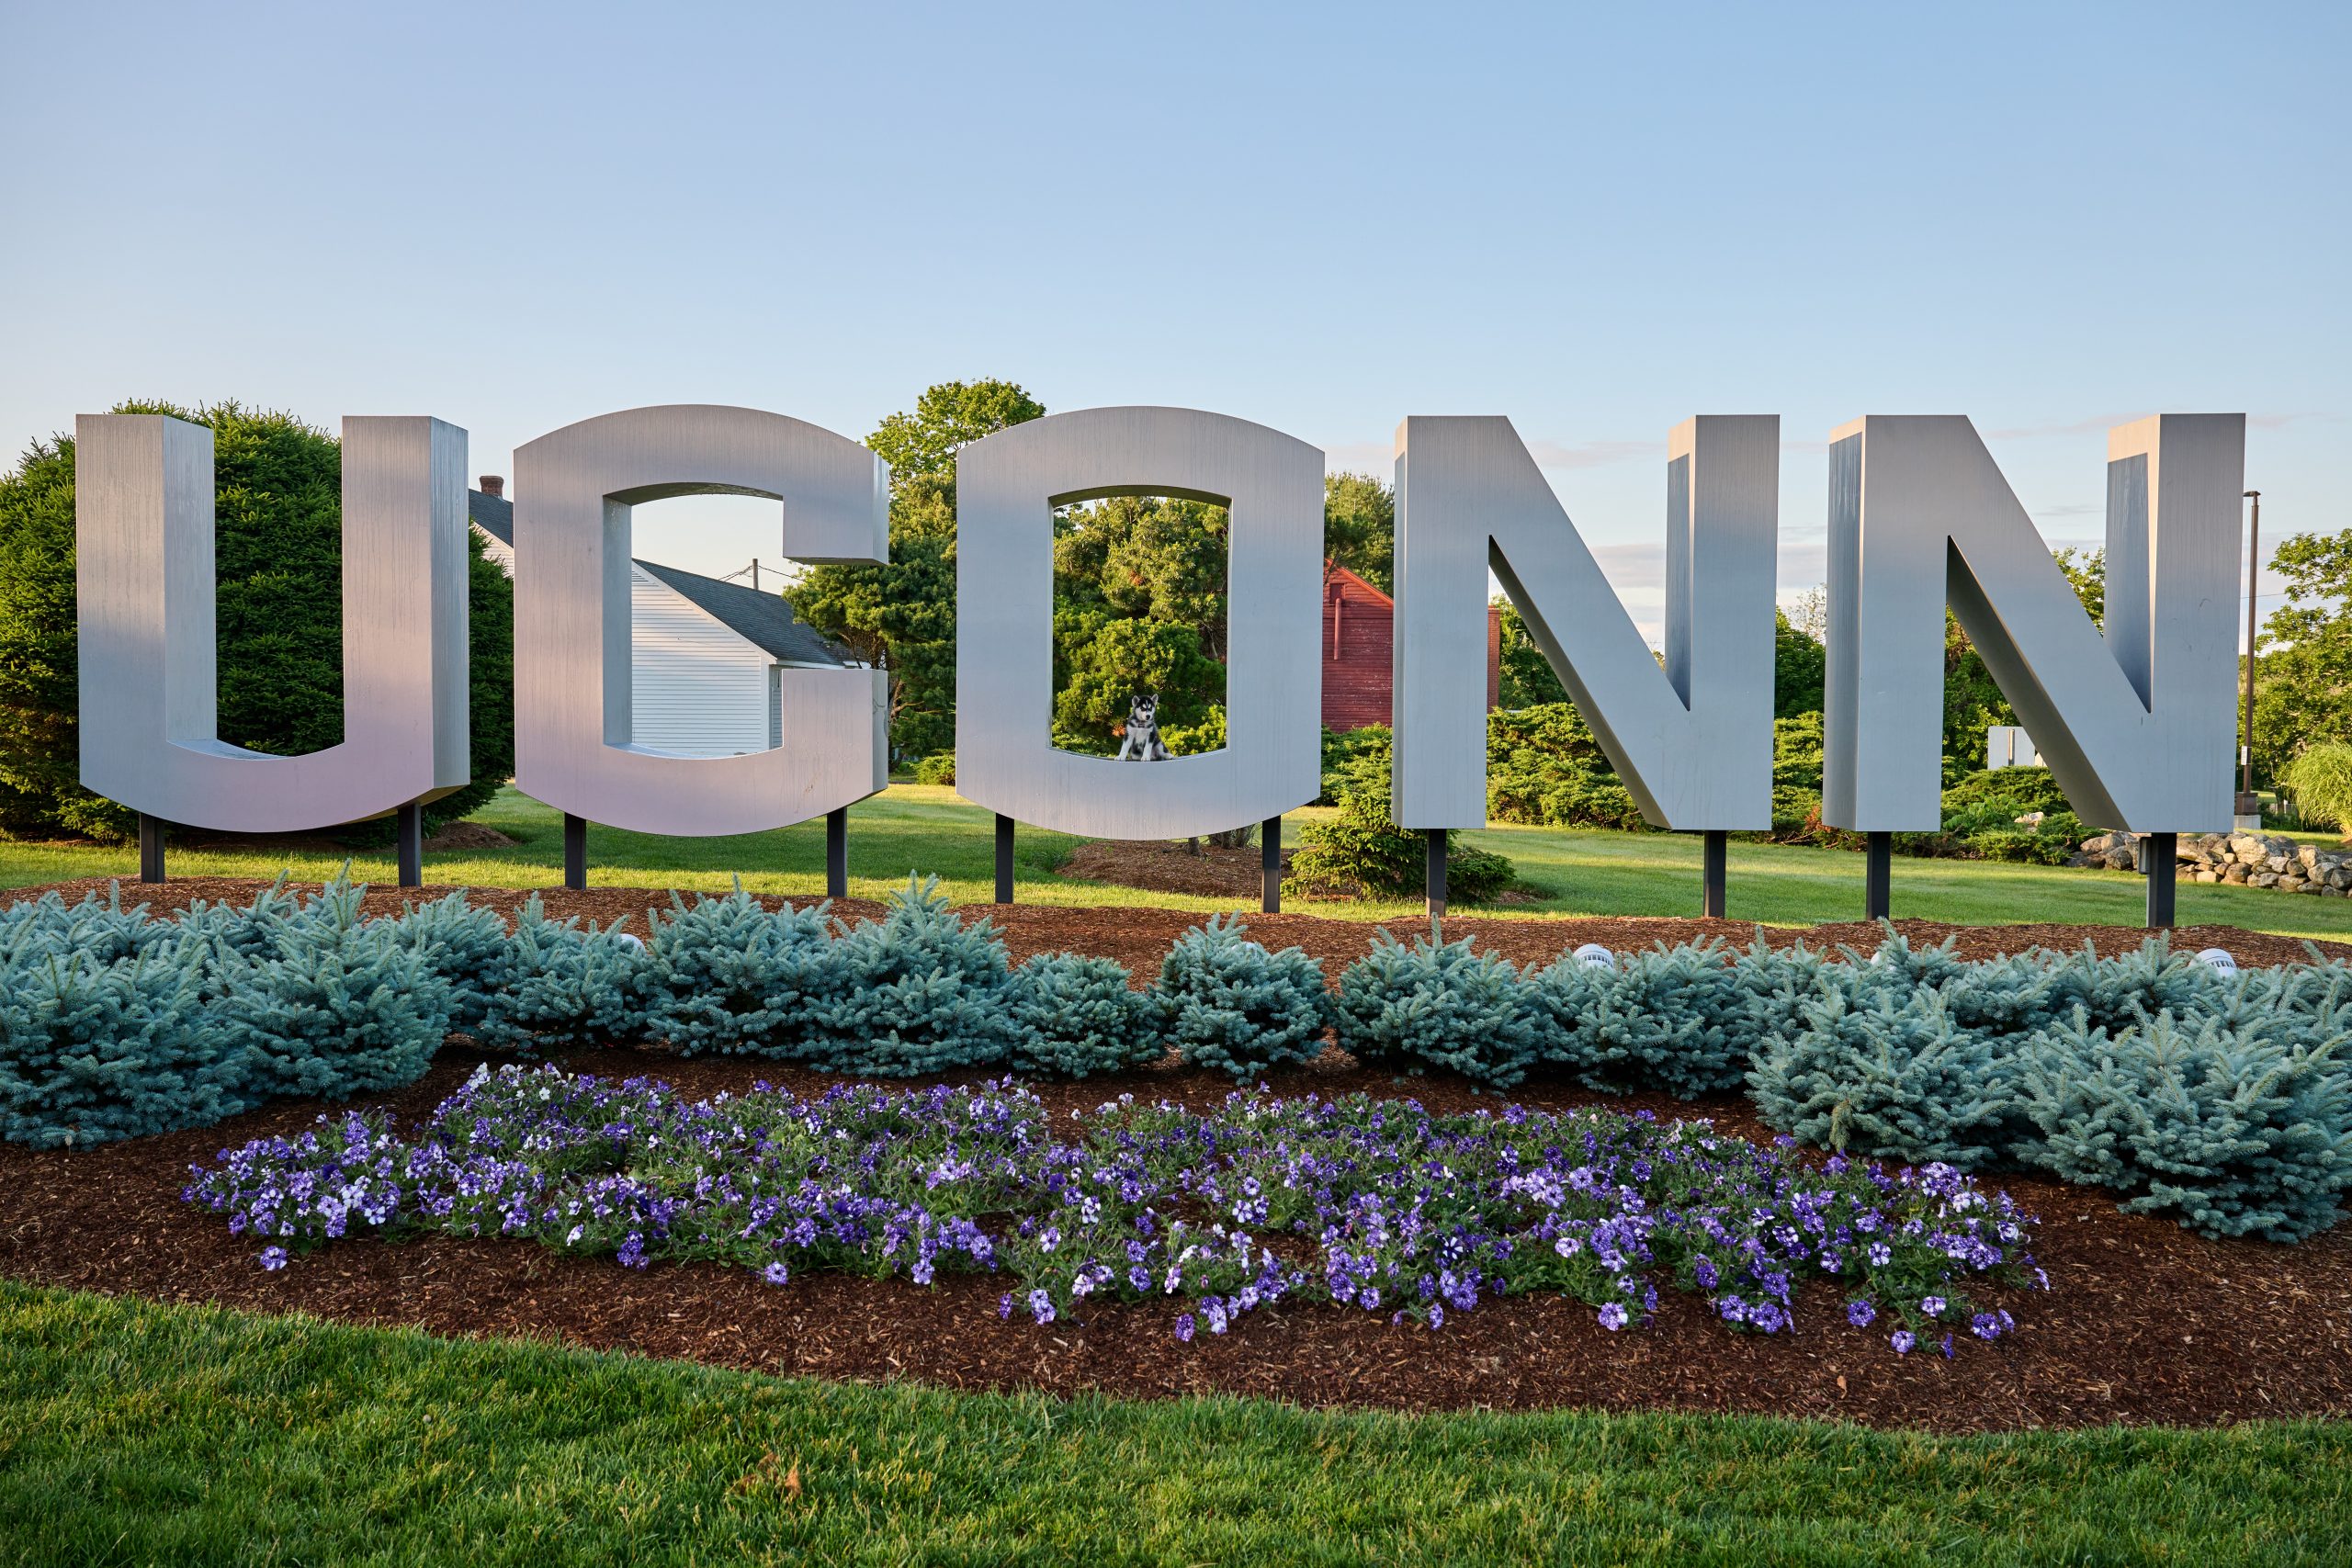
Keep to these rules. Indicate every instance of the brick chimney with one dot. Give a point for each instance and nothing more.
(493, 484)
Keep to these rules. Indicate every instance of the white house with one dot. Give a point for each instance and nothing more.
(704, 652)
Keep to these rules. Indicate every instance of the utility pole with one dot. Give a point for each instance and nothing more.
(2247, 805)
(755, 574)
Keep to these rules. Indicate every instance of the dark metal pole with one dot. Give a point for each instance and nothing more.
(837, 853)
(1877, 877)
(410, 819)
(2247, 805)
(2160, 860)
(1715, 849)
(1003, 859)
(1270, 865)
(575, 850)
(151, 848)
(1437, 871)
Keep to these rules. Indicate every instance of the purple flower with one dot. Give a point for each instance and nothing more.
(273, 1258)
(1862, 1314)
(1612, 1316)
(1933, 1305)
(775, 1273)
(1903, 1339)
(1184, 1328)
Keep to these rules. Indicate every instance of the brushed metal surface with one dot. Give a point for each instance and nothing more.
(1007, 486)
(1690, 738)
(574, 488)
(2136, 723)
(149, 677)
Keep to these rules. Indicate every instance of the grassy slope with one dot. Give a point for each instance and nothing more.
(920, 828)
(134, 1432)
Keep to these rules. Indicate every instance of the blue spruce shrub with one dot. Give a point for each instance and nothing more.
(467, 947)
(1438, 1003)
(2242, 1131)
(236, 933)
(1076, 1015)
(918, 991)
(729, 977)
(93, 1049)
(1672, 1019)
(332, 1006)
(2116, 993)
(561, 984)
(1230, 1006)
(100, 930)
(1899, 1079)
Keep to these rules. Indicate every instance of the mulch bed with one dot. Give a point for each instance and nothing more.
(2145, 1323)
(1139, 937)
(1209, 870)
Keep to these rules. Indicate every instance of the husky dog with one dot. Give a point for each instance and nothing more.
(1143, 743)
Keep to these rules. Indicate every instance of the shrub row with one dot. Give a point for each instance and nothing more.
(114, 1025)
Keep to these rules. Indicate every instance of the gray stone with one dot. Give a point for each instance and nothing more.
(2262, 879)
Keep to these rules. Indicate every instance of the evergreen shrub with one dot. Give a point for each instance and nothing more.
(563, 984)
(93, 1048)
(918, 991)
(1077, 1014)
(1438, 1003)
(2244, 1132)
(726, 977)
(1893, 1079)
(1672, 1019)
(1230, 1006)
(333, 1004)
(468, 948)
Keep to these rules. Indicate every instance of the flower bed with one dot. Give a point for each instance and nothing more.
(1370, 1204)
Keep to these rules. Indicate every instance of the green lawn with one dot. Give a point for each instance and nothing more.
(929, 828)
(133, 1432)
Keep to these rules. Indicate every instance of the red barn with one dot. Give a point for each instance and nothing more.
(1359, 644)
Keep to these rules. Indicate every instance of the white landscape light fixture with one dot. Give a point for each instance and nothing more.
(143, 579)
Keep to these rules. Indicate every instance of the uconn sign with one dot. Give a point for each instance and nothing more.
(2134, 720)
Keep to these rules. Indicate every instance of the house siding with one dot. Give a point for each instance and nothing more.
(697, 688)
(1359, 640)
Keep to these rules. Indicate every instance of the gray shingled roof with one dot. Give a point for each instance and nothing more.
(764, 620)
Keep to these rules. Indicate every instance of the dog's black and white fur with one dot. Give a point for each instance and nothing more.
(1143, 743)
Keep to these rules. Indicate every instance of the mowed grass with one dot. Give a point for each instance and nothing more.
(135, 1432)
(930, 829)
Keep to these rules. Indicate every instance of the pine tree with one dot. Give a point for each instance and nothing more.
(563, 984)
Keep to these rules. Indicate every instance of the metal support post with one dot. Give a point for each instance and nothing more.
(1715, 851)
(151, 848)
(575, 851)
(1003, 859)
(411, 829)
(1437, 871)
(837, 853)
(1270, 865)
(1878, 878)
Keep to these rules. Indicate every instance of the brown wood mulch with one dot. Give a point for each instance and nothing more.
(2145, 1323)
(1138, 937)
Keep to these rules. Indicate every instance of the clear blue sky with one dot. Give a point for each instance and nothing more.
(1596, 221)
